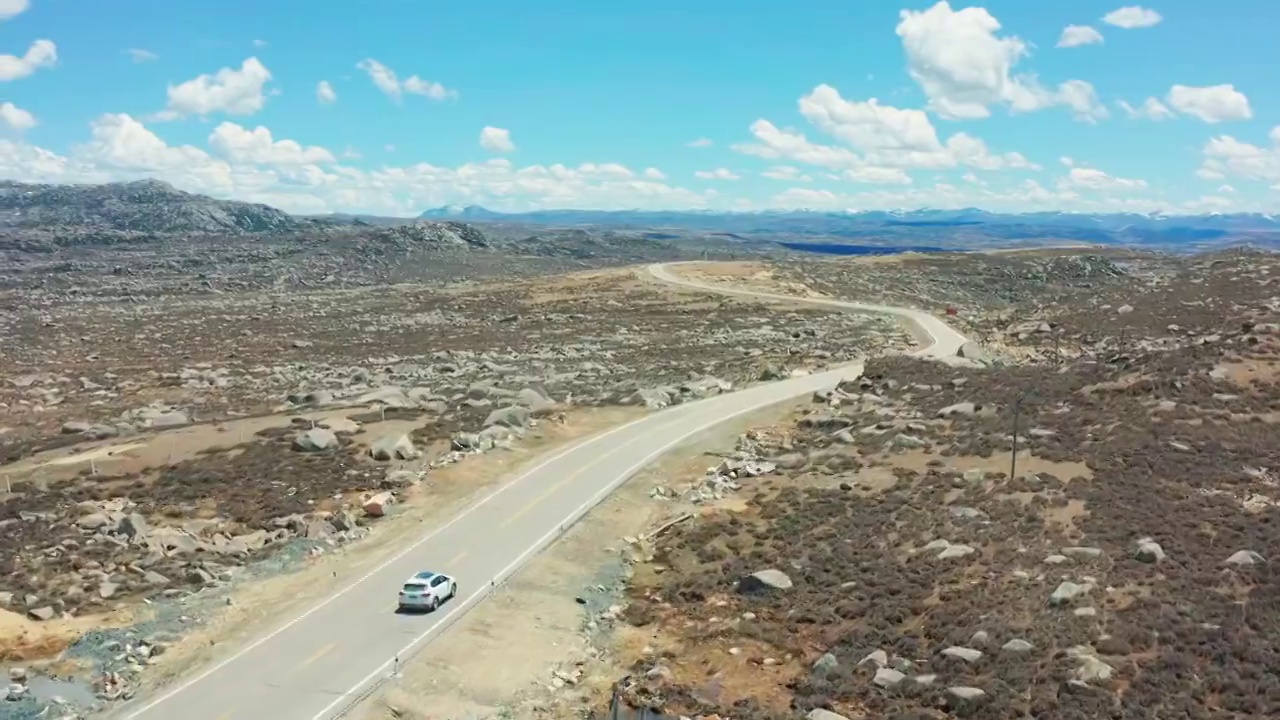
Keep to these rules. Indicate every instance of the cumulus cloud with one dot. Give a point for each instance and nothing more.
(654, 174)
(964, 67)
(879, 142)
(1151, 109)
(496, 140)
(1131, 17)
(717, 174)
(1093, 179)
(240, 145)
(230, 91)
(786, 172)
(1226, 156)
(11, 8)
(386, 80)
(16, 118)
(325, 93)
(1077, 35)
(138, 55)
(1212, 104)
(41, 54)
(253, 165)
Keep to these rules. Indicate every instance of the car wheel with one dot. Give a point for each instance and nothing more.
(453, 590)
(432, 606)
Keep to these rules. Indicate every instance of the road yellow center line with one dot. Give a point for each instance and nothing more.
(319, 654)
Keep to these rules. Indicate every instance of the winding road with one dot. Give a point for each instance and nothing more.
(319, 665)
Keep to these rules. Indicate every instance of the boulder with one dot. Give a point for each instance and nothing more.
(764, 581)
(513, 416)
(171, 419)
(393, 447)
(316, 439)
(377, 505)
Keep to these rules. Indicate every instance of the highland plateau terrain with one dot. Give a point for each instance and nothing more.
(213, 412)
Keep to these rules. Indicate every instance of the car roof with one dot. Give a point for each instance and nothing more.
(424, 576)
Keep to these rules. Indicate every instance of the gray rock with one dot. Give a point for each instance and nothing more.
(1092, 669)
(955, 551)
(1017, 645)
(973, 351)
(1078, 552)
(171, 419)
(1066, 592)
(1245, 557)
(764, 580)
(908, 442)
(133, 525)
(963, 409)
(826, 664)
(963, 653)
(967, 694)
(820, 714)
(887, 677)
(1149, 551)
(512, 416)
(41, 613)
(94, 521)
(879, 658)
(393, 447)
(316, 439)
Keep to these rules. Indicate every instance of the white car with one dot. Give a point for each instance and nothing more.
(427, 591)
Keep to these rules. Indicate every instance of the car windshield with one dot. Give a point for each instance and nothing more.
(414, 587)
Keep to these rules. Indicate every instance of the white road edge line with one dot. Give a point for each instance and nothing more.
(395, 558)
(534, 549)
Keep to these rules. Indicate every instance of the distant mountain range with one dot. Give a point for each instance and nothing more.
(948, 227)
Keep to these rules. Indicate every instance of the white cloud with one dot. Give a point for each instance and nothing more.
(1132, 16)
(699, 143)
(325, 93)
(386, 80)
(964, 67)
(1077, 35)
(260, 43)
(496, 140)
(1213, 104)
(427, 88)
(1226, 189)
(1083, 101)
(256, 146)
(11, 8)
(138, 55)
(654, 174)
(16, 118)
(1092, 179)
(41, 54)
(883, 141)
(717, 174)
(786, 172)
(252, 165)
(1226, 156)
(1151, 109)
(877, 175)
(230, 91)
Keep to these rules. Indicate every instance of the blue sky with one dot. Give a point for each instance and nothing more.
(592, 104)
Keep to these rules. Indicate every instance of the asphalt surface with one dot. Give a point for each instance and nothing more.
(318, 665)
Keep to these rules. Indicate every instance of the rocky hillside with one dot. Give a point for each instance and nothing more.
(141, 207)
(146, 238)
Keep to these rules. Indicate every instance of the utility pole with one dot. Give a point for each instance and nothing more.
(1017, 414)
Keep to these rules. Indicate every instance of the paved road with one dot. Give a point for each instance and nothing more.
(317, 665)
